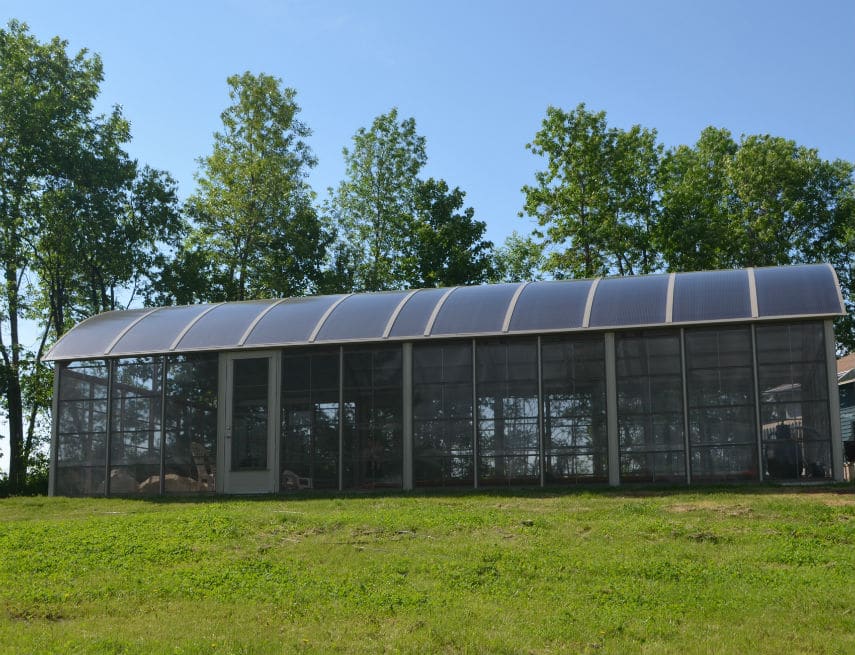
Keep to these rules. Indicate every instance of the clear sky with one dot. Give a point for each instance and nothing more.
(476, 75)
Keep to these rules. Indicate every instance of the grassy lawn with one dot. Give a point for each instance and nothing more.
(737, 570)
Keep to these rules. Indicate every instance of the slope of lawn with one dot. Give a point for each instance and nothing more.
(739, 570)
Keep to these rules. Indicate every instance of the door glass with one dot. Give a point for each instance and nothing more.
(250, 414)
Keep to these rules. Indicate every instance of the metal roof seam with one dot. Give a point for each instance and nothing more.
(437, 307)
(512, 305)
(128, 329)
(257, 320)
(669, 298)
(326, 315)
(395, 313)
(193, 322)
(589, 303)
(752, 292)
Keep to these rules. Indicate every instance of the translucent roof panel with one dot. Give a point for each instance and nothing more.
(797, 291)
(551, 305)
(93, 337)
(474, 310)
(223, 326)
(291, 321)
(157, 331)
(362, 316)
(711, 296)
(630, 301)
(413, 318)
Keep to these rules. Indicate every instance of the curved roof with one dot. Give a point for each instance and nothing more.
(529, 307)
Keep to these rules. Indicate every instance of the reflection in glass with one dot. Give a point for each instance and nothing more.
(794, 414)
(309, 430)
(650, 406)
(720, 380)
(442, 414)
(508, 435)
(249, 414)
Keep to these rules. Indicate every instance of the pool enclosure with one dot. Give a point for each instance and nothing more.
(686, 378)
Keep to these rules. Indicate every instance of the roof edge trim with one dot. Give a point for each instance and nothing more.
(837, 286)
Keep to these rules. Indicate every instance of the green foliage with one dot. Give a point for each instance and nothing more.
(596, 197)
(520, 259)
(255, 231)
(759, 570)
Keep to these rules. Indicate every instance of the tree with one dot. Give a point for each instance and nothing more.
(519, 259)
(445, 246)
(375, 204)
(78, 221)
(255, 231)
(596, 198)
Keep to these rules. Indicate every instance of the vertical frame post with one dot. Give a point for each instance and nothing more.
(611, 410)
(757, 424)
(833, 402)
(407, 470)
(686, 440)
(340, 418)
(540, 431)
(111, 374)
(474, 416)
(54, 429)
(163, 363)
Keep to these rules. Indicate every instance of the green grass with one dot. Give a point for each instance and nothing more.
(738, 570)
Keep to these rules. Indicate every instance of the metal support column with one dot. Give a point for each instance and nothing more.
(611, 410)
(111, 374)
(340, 418)
(833, 402)
(757, 423)
(686, 442)
(163, 360)
(474, 416)
(407, 471)
(540, 431)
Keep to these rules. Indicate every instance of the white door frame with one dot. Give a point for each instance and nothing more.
(247, 482)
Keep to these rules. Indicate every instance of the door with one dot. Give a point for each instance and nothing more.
(249, 423)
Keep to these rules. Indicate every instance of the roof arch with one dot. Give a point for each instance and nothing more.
(741, 295)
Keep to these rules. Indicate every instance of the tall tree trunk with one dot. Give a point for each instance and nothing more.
(14, 401)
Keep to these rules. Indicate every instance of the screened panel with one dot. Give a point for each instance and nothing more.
(250, 414)
(794, 413)
(551, 305)
(190, 456)
(223, 326)
(414, 316)
(796, 291)
(373, 418)
(711, 296)
(508, 434)
(292, 321)
(309, 451)
(362, 316)
(92, 337)
(574, 409)
(81, 440)
(650, 406)
(442, 414)
(135, 426)
(630, 301)
(720, 380)
(475, 310)
(157, 332)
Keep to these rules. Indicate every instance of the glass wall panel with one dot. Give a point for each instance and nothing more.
(574, 409)
(720, 380)
(794, 413)
(309, 432)
(135, 426)
(81, 455)
(373, 409)
(650, 407)
(508, 435)
(191, 424)
(442, 414)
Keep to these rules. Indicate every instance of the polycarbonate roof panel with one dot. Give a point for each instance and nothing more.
(291, 321)
(797, 290)
(809, 291)
(157, 331)
(551, 305)
(711, 296)
(92, 337)
(412, 320)
(362, 316)
(474, 310)
(636, 300)
(223, 326)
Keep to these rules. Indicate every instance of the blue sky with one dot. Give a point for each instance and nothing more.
(477, 76)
